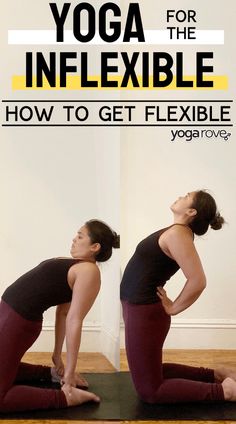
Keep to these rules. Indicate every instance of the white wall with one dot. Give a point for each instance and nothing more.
(108, 201)
(154, 173)
(51, 183)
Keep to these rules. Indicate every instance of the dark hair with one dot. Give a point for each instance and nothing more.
(207, 213)
(101, 233)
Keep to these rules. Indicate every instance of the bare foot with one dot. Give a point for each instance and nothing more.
(222, 373)
(77, 397)
(229, 388)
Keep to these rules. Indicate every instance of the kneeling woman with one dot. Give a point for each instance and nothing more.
(147, 309)
(72, 284)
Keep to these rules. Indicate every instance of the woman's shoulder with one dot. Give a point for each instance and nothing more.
(86, 266)
(177, 231)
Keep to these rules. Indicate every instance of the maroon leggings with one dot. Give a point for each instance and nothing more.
(17, 335)
(146, 327)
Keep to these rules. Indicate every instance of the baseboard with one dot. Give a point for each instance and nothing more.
(184, 334)
(94, 339)
(198, 334)
(90, 341)
(110, 347)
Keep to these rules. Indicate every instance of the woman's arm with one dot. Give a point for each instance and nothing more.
(85, 290)
(60, 329)
(179, 243)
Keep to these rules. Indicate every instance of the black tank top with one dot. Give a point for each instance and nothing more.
(148, 268)
(44, 286)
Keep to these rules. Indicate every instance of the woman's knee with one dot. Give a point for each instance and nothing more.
(148, 395)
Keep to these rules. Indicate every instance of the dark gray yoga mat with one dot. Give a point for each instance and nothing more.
(120, 402)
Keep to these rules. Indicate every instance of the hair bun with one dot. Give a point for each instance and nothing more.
(217, 222)
(116, 240)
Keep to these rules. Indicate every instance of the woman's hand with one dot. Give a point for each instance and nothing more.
(59, 366)
(80, 381)
(68, 381)
(166, 302)
(75, 381)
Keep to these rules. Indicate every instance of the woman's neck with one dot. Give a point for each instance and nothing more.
(181, 220)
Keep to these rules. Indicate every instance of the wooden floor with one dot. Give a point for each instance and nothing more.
(87, 362)
(95, 362)
(194, 357)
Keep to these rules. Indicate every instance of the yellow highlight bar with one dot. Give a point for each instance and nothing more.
(220, 82)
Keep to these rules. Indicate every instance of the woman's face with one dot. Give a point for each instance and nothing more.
(81, 247)
(183, 204)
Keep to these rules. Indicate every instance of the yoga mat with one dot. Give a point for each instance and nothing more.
(120, 402)
(105, 385)
(134, 409)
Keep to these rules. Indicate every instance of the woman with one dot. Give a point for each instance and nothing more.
(72, 284)
(147, 309)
